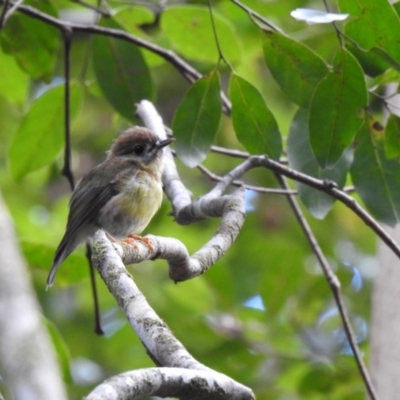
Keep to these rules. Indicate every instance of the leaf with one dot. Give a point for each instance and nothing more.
(186, 25)
(392, 137)
(374, 176)
(121, 72)
(295, 67)
(40, 136)
(197, 119)
(16, 89)
(302, 159)
(335, 109)
(254, 124)
(32, 42)
(374, 26)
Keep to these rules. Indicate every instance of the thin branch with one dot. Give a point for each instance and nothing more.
(335, 286)
(188, 72)
(3, 13)
(67, 171)
(7, 14)
(259, 189)
(331, 189)
(218, 44)
(255, 16)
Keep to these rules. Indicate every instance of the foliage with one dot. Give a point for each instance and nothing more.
(264, 315)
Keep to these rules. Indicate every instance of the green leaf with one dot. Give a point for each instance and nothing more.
(121, 72)
(186, 25)
(392, 137)
(62, 350)
(196, 120)
(40, 136)
(295, 67)
(374, 25)
(302, 159)
(254, 124)
(372, 64)
(335, 109)
(15, 89)
(374, 176)
(32, 42)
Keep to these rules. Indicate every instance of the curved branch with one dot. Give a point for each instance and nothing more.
(177, 382)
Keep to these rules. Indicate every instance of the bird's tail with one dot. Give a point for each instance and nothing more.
(63, 251)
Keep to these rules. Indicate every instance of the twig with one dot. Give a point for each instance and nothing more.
(7, 14)
(331, 189)
(238, 183)
(3, 13)
(188, 72)
(67, 171)
(335, 286)
(253, 15)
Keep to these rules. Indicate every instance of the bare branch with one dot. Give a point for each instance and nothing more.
(162, 346)
(331, 189)
(67, 171)
(172, 382)
(335, 286)
(7, 14)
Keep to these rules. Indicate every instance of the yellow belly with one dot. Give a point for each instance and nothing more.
(141, 202)
(131, 211)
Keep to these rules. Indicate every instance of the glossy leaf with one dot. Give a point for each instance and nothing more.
(40, 137)
(374, 175)
(196, 120)
(392, 137)
(254, 124)
(186, 25)
(336, 108)
(121, 72)
(295, 67)
(32, 42)
(374, 25)
(302, 159)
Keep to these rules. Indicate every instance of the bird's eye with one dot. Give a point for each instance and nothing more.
(138, 149)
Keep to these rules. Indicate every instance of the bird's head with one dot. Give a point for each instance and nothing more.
(141, 145)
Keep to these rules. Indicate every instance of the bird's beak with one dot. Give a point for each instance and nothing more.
(162, 143)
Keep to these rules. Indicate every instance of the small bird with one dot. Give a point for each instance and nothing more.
(120, 195)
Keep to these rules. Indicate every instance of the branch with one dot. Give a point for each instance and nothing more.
(189, 72)
(331, 189)
(170, 382)
(335, 286)
(162, 346)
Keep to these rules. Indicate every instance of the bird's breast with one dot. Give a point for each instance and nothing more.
(131, 210)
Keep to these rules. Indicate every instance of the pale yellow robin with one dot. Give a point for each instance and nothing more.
(120, 195)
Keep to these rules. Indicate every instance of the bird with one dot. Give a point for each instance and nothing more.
(120, 195)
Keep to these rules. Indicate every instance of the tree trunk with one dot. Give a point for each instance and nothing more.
(27, 359)
(385, 325)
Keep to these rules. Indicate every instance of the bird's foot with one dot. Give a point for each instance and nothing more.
(131, 239)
